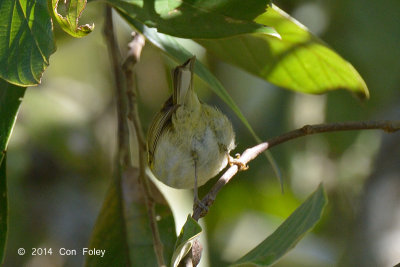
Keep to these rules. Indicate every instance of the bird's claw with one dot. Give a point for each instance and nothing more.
(236, 161)
(198, 203)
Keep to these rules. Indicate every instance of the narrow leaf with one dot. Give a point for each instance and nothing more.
(70, 22)
(288, 234)
(198, 19)
(190, 230)
(26, 41)
(3, 209)
(10, 100)
(297, 61)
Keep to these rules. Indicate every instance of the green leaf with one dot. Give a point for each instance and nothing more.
(139, 234)
(197, 19)
(109, 233)
(298, 61)
(3, 209)
(10, 99)
(190, 230)
(288, 233)
(125, 233)
(69, 22)
(26, 41)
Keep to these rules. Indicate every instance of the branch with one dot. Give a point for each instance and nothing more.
(127, 108)
(120, 88)
(135, 49)
(251, 153)
(133, 56)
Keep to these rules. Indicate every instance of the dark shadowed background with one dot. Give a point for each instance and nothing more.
(61, 152)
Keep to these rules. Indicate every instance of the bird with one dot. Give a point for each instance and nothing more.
(189, 142)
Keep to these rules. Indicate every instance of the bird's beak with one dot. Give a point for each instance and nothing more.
(189, 64)
(183, 81)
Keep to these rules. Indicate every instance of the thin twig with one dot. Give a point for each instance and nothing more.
(387, 126)
(135, 48)
(120, 87)
(133, 56)
(251, 153)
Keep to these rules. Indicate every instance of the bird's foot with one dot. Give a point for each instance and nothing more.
(236, 161)
(197, 203)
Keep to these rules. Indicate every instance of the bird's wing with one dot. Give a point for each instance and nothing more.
(161, 122)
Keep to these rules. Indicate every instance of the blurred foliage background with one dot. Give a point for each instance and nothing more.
(61, 151)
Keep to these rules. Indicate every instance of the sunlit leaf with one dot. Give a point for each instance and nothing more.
(297, 61)
(26, 41)
(198, 19)
(190, 230)
(70, 22)
(288, 234)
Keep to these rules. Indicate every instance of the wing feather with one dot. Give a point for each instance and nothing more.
(161, 122)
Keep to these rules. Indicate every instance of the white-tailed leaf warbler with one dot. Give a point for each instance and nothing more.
(188, 141)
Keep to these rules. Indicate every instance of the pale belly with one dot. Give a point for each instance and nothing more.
(174, 163)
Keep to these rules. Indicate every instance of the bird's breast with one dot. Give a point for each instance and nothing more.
(192, 139)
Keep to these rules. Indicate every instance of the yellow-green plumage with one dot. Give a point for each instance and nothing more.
(187, 137)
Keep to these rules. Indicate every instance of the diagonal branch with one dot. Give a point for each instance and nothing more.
(251, 153)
